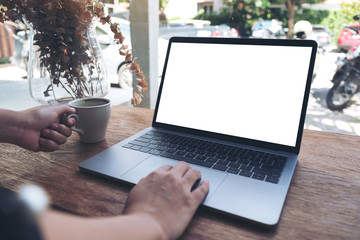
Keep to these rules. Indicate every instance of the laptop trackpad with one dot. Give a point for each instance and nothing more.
(154, 162)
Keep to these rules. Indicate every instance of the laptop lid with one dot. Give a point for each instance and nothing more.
(256, 89)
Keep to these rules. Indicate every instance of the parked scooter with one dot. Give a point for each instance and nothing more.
(346, 81)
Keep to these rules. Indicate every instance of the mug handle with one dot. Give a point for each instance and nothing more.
(78, 130)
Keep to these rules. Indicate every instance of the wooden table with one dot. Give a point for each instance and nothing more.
(323, 200)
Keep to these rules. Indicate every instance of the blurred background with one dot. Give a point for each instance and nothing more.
(334, 24)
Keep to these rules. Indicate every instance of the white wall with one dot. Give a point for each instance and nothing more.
(218, 4)
(182, 9)
(185, 9)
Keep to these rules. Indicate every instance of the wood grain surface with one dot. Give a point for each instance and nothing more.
(323, 201)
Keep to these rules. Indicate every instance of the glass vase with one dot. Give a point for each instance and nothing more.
(60, 71)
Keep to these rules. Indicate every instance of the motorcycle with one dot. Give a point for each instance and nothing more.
(346, 82)
(346, 79)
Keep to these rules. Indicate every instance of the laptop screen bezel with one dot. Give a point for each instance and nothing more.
(234, 139)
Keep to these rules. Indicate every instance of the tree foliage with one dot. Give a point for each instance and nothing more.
(337, 19)
(349, 10)
(243, 13)
(163, 4)
(240, 14)
(291, 13)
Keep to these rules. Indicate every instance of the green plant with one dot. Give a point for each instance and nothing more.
(4, 60)
(334, 22)
(337, 19)
(313, 16)
(349, 10)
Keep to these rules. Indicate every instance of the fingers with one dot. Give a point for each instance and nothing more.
(65, 119)
(180, 169)
(53, 135)
(164, 168)
(62, 129)
(200, 192)
(63, 109)
(47, 145)
(70, 122)
(189, 176)
(57, 133)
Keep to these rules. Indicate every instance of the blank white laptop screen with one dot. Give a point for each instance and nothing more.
(249, 91)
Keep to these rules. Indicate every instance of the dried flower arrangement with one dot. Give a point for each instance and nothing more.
(61, 27)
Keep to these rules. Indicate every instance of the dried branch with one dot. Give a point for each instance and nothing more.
(61, 32)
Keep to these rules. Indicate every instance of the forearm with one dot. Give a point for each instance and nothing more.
(57, 225)
(10, 126)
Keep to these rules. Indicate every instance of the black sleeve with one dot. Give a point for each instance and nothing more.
(16, 220)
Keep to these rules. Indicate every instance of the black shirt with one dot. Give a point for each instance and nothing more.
(16, 220)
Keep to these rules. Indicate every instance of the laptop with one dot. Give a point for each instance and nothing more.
(232, 108)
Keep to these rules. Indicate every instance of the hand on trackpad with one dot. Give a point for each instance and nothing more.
(152, 163)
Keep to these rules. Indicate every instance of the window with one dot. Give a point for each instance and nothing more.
(207, 7)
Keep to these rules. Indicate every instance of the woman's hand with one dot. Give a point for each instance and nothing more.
(159, 207)
(40, 129)
(165, 196)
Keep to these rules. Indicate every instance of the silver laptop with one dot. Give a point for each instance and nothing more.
(233, 109)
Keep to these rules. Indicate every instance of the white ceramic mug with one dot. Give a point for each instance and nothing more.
(92, 118)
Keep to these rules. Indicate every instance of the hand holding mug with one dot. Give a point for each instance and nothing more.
(92, 118)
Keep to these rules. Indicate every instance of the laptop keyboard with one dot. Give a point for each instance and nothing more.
(235, 160)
